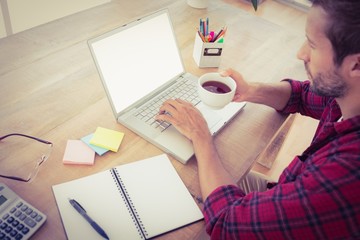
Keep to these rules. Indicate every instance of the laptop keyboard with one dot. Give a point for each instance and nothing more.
(185, 90)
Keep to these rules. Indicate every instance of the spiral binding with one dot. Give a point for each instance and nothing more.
(129, 204)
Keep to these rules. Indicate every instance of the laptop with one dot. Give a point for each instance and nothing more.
(140, 61)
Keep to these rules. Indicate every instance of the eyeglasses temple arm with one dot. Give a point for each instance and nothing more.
(23, 135)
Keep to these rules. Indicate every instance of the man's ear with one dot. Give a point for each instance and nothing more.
(355, 65)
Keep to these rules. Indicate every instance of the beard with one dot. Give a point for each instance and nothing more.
(329, 84)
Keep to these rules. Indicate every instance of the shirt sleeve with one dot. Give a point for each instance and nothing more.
(306, 207)
(304, 101)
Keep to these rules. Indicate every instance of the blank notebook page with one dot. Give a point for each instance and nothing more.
(164, 207)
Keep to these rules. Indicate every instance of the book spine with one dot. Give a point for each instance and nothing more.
(129, 204)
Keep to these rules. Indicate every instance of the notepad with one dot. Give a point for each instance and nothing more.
(138, 200)
(99, 150)
(77, 152)
(107, 138)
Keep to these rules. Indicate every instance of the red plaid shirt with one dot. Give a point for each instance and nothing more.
(317, 195)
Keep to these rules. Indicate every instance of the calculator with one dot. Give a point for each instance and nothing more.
(18, 218)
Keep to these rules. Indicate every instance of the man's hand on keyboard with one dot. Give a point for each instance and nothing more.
(185, 117)
(164, 124)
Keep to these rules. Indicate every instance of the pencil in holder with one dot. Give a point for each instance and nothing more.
(207, 54)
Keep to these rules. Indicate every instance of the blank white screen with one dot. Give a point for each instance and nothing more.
(135, 61)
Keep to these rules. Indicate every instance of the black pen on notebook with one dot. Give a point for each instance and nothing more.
(83, 213)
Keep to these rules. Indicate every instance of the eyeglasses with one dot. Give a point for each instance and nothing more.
(22, 155)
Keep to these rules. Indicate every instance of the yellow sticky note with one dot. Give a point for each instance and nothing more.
(107, 138)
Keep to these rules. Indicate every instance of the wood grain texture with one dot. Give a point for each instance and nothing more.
(50, 89)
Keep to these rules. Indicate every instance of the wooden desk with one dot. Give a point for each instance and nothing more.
(50, 89)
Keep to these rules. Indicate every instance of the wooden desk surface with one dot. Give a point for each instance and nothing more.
(50, 89)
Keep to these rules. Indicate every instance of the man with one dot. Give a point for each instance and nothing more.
(318, 194)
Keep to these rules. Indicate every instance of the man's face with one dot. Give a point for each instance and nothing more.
(317, 54)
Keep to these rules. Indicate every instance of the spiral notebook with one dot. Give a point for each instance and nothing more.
(138, 200)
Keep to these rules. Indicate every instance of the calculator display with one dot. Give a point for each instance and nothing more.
(2, 199)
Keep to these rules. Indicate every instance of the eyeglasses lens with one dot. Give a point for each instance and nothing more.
(21, 156)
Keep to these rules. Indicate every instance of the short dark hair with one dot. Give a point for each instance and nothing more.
(343, 28)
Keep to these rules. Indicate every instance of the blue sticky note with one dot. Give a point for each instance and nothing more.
(99, 150)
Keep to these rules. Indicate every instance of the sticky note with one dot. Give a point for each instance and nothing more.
(77, 152)
(107, 138)
(99, 150)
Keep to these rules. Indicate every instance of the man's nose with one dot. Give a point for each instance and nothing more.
(304, 52)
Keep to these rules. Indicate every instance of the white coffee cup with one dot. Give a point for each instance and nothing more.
(216, 91)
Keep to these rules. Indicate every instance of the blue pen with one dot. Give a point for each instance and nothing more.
(83, 213)
(207, 26)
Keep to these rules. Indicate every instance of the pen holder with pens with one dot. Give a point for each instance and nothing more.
(207, 54)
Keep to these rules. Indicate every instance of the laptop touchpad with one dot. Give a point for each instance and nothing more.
(211, 116)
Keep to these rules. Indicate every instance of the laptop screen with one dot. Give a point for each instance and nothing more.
(137, 58)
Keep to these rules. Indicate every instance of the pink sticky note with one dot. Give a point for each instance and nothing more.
(77, 152)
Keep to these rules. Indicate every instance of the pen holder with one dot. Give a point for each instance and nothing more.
(207, 54)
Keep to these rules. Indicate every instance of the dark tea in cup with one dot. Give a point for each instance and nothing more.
(216, 91)
(216, 87)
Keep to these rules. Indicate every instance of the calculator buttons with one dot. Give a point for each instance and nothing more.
(19, 221)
